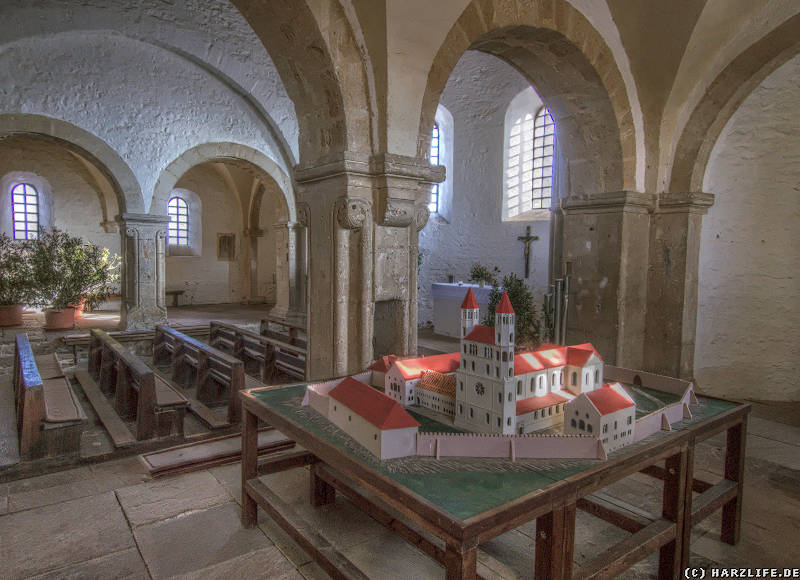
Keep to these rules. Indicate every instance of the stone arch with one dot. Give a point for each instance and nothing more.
(314, 66)
(225, 151)
(723, 96)
(573, 70)
(95, 150)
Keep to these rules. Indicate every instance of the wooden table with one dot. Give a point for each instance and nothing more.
(464, 509)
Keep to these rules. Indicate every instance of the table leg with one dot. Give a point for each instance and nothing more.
(673, 509)
(686, 534)
(734, 471)
(555, 543)
(249, 466)
(320, 491)
(460, 563)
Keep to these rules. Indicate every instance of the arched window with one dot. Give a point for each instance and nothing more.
(178, 229)
(25, 211)
(433, 205)
(574, 378)
(528, 158)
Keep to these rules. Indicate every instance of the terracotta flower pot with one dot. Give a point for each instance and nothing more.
(11, 315)
(79, 308)
(63, 319)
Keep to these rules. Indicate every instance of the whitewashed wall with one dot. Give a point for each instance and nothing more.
(477, 95)
(68, 191)
(204, 278)
(156, 66)
(748, 324)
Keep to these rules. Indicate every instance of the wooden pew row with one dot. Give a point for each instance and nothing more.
(267, 354)
(291, 347)
(83, 339)
(49, 417)
(159, 409)
(217, 376)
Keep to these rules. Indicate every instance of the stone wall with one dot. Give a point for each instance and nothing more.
(748, 323)
(477, 95)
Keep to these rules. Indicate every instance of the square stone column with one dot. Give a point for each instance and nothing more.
(143, 270)
(289, 271)
(605, 250)
(672, 283)
(362, 228)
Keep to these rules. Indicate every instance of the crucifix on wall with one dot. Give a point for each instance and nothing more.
(527, 239)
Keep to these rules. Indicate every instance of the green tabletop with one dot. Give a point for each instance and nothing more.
(465, 487)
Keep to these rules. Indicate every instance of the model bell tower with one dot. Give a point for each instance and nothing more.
(469, 313)
(504, 319)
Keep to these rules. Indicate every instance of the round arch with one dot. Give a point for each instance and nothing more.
(95, 150)
(573, 70)
(724, 95)
(225, 151)
(330, 119)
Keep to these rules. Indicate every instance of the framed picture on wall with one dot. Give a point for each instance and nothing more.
(226, 247)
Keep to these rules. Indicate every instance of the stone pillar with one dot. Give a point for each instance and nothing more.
(361, 255)
(605, 249)
(143, 251)
(289, 255)
(249, 265)
(672, 283)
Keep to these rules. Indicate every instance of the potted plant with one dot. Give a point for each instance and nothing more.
(483, 275)
(68, 271)
(15, 280)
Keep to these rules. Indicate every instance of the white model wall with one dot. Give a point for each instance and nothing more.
(155, 66)
(477, 95)
(73, 199)
(204, 278)
(748, 323)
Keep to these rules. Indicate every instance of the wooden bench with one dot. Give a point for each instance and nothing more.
(83, 339)
(159, 409)
(217, 376)
(291, 348)
(258, 352)
(49, 416)
(174, 294)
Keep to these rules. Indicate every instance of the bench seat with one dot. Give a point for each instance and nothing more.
(60, 404)
(166, 396)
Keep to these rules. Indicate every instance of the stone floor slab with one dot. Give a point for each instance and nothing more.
(268, 562)
(165, 498)
(124, 565)
(50, 480)
(197, 540)
(50, 495)
(63, 534)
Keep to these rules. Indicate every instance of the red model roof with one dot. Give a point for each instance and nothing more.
(481, 333)
(469, 301)
(411, 368)
(377, 408)
(578, 354)
(532, 404)
(607, 400)
(383, 364)
(504, 306)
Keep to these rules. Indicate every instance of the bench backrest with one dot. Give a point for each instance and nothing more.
(216, 357)
(28, 394)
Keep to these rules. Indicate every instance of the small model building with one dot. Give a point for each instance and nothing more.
(374, 420)
(606, 412)
(379, 368)
(402, 378)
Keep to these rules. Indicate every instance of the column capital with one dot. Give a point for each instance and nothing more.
(141, 218)
(611, 201)
(352, 213)
(696, 202)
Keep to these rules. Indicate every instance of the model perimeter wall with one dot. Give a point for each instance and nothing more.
(509, 446)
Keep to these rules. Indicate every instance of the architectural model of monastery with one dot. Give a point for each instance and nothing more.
(485, 388)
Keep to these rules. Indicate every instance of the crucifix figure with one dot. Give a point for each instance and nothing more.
(527, 239)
